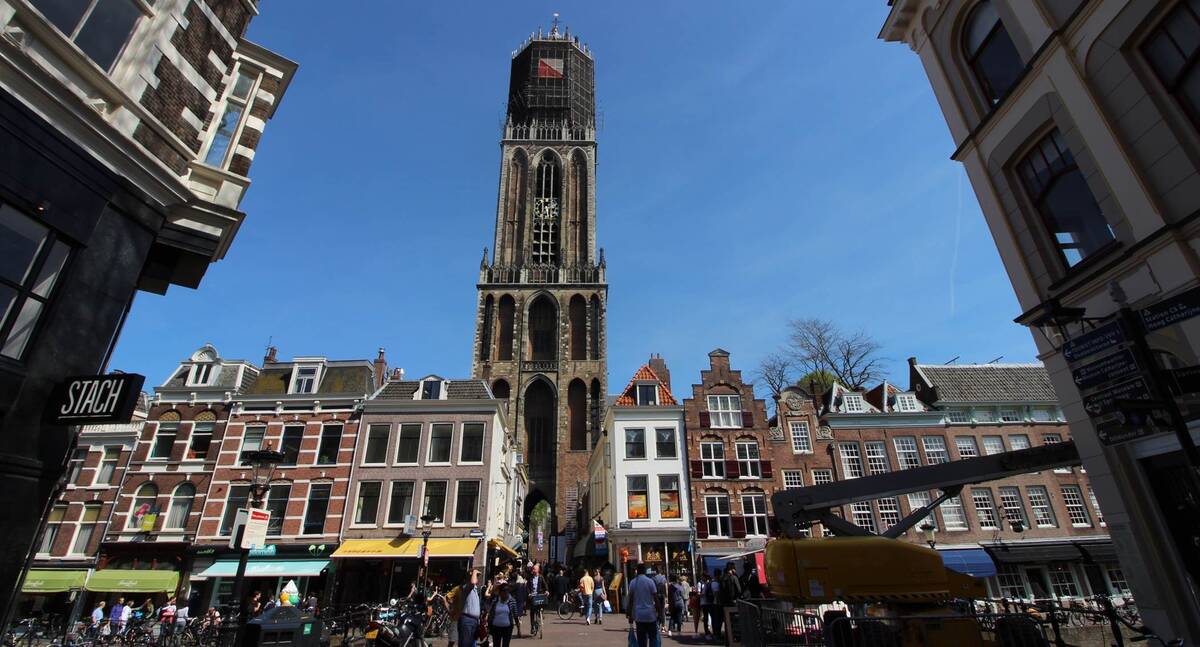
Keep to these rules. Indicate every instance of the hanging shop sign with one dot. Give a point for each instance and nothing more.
(94, 399)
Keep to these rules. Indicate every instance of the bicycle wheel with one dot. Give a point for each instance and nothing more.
(566, 609)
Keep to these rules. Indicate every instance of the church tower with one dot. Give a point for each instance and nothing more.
(540, 328)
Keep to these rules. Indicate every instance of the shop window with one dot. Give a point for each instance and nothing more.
(638, 493)
(668, 496)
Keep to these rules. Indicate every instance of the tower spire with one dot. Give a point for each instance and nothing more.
(554, 26)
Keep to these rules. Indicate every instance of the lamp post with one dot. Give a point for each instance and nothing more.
(930, 533)
(262, 465)
(426, 530)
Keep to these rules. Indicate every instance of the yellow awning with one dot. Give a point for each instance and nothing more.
(502, 547)
(409, 547)
(40, 580)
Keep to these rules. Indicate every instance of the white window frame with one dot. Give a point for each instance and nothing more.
(1013, 505)
(674, 443)
(749, 467)
(822, 476)
(354, 511)
(907, 455)
(412, 501)
(862, 514)
(1096, 506)
(242, 441)
(1070, 581)
(958, 416)
(1015, 445)
(962, 442)
(171, 507)
(637, 394)
(1011, 415)
(710, 517)
(158, 431)
(630, 489)
(906, 403)
(478, 504)
(793, 479)
(81, 525)
(725, 411)
(1007, 585)
(1050, 439)
(984, 414)
(116, 463)
(1073, 501)
(399, 436)
(387, 437)
(625, 443)
(992, 450)
(201, 374)
(801, 439)
(219, 111)
(851, 458)
(462, 444)
(918, 500)
(956, 520)
(935, 450)
(753, 516)
(877, 457)
(985, 514)
(296, 379)
(889, 511)
(146, 10)
(705, 461)
(853, 403)
(1039, 501)
(429, 450)
(445, 503)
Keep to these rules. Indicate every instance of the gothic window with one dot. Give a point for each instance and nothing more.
(577, 414)
(578, 321)
(546, 204)
(514, 222)
(596, 332)
(485, 333)
(990, 53)
(543, 328)
(500, 390)
(579, 204)
(540, 409)
(504, 341)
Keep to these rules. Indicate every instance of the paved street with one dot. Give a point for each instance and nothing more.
(613, 633)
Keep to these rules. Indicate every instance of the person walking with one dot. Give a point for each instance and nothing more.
(502, 617)
(716, 617)
(166, 618)
(538, 591)
(97, 619)
(587, 588)
(694, 611)
(599, 596)
(114, 617)
(643, 608)
(675, 605)
(126, 614)
(730, 592)
(182, 613)
(471, 606)
(686, 587)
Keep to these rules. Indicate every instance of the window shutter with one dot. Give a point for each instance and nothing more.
(697, 469)
(738, 524)
(773, 526)
(704, 420)
(747, 419)
(731, 469)
(701, 528)
(767, 473)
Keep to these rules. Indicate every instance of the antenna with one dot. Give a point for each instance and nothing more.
(952, 360)
(996, 360)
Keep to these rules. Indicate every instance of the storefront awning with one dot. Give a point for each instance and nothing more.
(742, 554)
(1064, 551)
(502, 547)
(127, 581)
(40, 580)
(969, 561)
(267, 568)
(410, 547)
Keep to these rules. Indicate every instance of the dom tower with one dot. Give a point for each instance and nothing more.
(540, 329)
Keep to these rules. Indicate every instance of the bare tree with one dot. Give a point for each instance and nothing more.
(820, 345)
(776, 371)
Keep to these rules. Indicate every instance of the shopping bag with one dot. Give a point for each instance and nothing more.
(607, 607)
(632, 637)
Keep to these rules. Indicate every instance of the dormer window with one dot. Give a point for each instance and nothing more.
(431, 390)
(853, 403)
(201, 375)
(647, 395)
(906, 402)
(304, 379)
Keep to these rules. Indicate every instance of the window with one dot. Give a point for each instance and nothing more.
(87, 527)
(822, 477)
(200, 375)
(108, 466)
(435, 500)
(1039, 503)
(290, 446)
(935, 450)
(716, 512)
(277, 500)
(1009, 414)
(330, 446)
(712, 459)
(801, 441)
(53, 525)
(471, 449)
(958, 415)
(431, 390)
(984, 414)
(145, 501)
(1062, 198)
(993, 445)
(237, 101)
(1062, 580)
(725, 411)
(918, 500)
(408, 446)
(863, 516)
(853, 403)
(367, 506)
(305, 379)
(77, 459)
(182, 500)
(668, 496)
(252, 439)
(201, 440)
(966, 446)
(164, 440)
(466, 504)
(1041, 414)
(664, 443)
(31, 259)
(906, 452)
(754, 507)
(1116, 579)
(635, 443)
(748, 459)
(852, 466)
(906, 402)
(637, 496)
(1050, 439)
(889, 511)
(1018, 441)
(1012, 582)
(546, 202)
(439, 442)
(1171, 50)
(400, 501)
(793, 479)
(953, 514)
(647, 395)
(877, 458)
(985, 509)
(990, 53)
(1076, 512)
(1096, 506)
(1014, 508)
(98, 27)
(238, 496)
(318, 506)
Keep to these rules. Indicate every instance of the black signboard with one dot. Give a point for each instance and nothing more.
(1105, 401)
(1099, 340)
(1180, 307)
(1110, 368)
(1133, 420)
(94, 399)
(1185, 380)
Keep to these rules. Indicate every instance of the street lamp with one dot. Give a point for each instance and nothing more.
(426, 530)
(929, 532)
(262, 465)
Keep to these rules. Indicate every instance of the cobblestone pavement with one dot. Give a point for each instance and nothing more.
(575, 633)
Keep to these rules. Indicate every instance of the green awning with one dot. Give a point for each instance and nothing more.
(124, 581)
(41, 580)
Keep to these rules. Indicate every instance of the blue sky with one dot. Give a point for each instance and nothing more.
(755, 166)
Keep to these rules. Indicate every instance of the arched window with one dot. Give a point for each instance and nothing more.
(501, 390)
(543, 329)
(540, 415)
(577, 414)
(579, 206)
(504, 340)
(546, 208)
(181, 506)
(990, 52)
(485, 332)
(514, 216)
(594, 315)
(578, 322)
(145, 501)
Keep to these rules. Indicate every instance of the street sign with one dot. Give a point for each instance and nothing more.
(541, 540)
(1096, 341)
(1133, 420)
(475, 533)
(625, 525)
(254, 535)
(94, 399)
(410, 524)
(1185, 380)
(1173, 310)
(1109, 368)
(1105, 401)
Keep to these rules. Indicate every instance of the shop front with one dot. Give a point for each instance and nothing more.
(268, 571)
(52, 593)
(668, 552)
(376, 570)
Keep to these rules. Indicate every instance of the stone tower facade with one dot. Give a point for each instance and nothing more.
(540, 326)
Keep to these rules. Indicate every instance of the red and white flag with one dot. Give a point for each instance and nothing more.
(550, 68)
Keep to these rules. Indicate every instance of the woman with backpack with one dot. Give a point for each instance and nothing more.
(502, 617)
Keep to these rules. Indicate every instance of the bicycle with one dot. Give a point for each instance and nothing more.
(535, 621)
(29, 631)
(1177, 642)
(571, 605)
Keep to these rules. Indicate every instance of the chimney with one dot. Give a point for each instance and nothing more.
(659, 366)
(397, 374)
(269, 358)
(380, 369)
(718, 361)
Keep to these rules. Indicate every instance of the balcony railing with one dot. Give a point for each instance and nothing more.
(550, 131)
(503, 274)
(540, 365)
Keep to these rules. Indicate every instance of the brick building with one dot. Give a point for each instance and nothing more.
(432, 448)
(129, 128)
(799, 447)
(306, 408)
(731, 480)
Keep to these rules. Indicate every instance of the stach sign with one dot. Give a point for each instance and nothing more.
(94, 399)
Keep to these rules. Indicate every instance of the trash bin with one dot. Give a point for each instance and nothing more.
(284, 626)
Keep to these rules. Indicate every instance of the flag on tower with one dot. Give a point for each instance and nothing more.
(550, 68)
